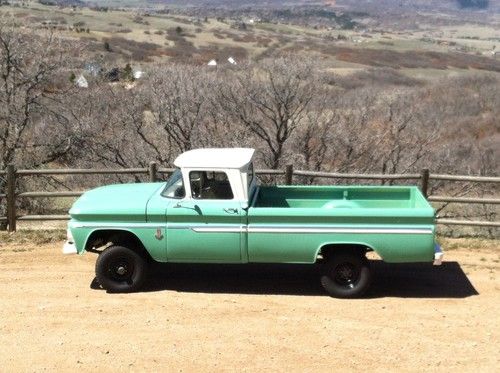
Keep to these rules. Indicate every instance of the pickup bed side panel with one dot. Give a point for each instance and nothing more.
(295, 235)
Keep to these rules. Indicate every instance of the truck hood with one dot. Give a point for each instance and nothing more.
(120, 202)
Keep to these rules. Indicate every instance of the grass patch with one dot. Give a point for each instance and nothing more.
(411, 59)
(138, 51)
(22, 250)
(32, 236)
(468, 243)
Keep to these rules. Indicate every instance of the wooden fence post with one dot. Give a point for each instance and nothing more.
(11, 197)
(289, 174)
(424, 181)
(153, 170)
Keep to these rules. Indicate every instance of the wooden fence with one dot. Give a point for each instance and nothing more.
(153, 172)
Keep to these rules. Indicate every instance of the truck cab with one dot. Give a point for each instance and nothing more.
(209, 196)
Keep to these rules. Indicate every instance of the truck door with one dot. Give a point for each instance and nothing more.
(208, 226)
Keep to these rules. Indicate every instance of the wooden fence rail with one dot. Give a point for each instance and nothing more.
(153, 171)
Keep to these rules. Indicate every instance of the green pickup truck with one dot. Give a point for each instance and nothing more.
(212, 210)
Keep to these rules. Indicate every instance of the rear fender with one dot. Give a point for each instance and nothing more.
(328, 248)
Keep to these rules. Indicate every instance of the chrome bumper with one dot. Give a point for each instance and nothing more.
(438, 255)
(69, 248)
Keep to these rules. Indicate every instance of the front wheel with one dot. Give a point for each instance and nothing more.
(120, 269)
(346, 275)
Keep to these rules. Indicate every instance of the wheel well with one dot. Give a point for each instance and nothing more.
(327, 251)
(101, 238)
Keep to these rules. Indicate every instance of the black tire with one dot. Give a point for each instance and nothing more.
(120, 269)
(346, 275)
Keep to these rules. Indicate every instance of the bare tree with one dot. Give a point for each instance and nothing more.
(408, 131)
(28, 98)
(314, 139)
(355, 139)
(270, 100)
(179, 98)
(34, 130)
(109, 119)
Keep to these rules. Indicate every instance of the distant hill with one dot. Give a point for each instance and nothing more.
(374, 5)
(63, 2)
(423, 5)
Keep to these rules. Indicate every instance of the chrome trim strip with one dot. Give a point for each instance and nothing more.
(338, 230)
(118, 225)
(294, 229)
(233, 228)
(239, 229)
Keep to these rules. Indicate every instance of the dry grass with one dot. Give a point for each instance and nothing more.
(469, 243)
(31, 237)
(411, 59)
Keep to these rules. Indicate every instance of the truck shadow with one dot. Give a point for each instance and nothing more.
(420, 280)
(389, 280)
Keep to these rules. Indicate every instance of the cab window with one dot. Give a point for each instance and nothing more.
(210, 185)
(174, 187)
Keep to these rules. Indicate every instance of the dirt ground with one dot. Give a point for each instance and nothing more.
(255, 318)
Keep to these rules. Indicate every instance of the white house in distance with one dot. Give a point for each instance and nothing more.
(213, 62)
(138, 74)
(81, 82)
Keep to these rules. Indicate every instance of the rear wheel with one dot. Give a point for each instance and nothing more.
(120, 269)
(346, 275)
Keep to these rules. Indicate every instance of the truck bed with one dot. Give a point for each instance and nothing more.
(331, 197)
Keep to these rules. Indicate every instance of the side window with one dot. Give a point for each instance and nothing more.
(210, 185)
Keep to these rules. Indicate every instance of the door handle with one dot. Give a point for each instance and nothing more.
(231, 210)
(195, 208)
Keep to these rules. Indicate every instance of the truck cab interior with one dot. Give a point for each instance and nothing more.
(210, 185)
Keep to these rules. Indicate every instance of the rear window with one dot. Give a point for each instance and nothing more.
(250, 175)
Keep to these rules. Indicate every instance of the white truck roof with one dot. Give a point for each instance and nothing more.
(215, 158)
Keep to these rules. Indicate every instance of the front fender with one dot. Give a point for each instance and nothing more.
(152, 237)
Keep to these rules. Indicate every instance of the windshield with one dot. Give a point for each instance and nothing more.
(175, 186)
